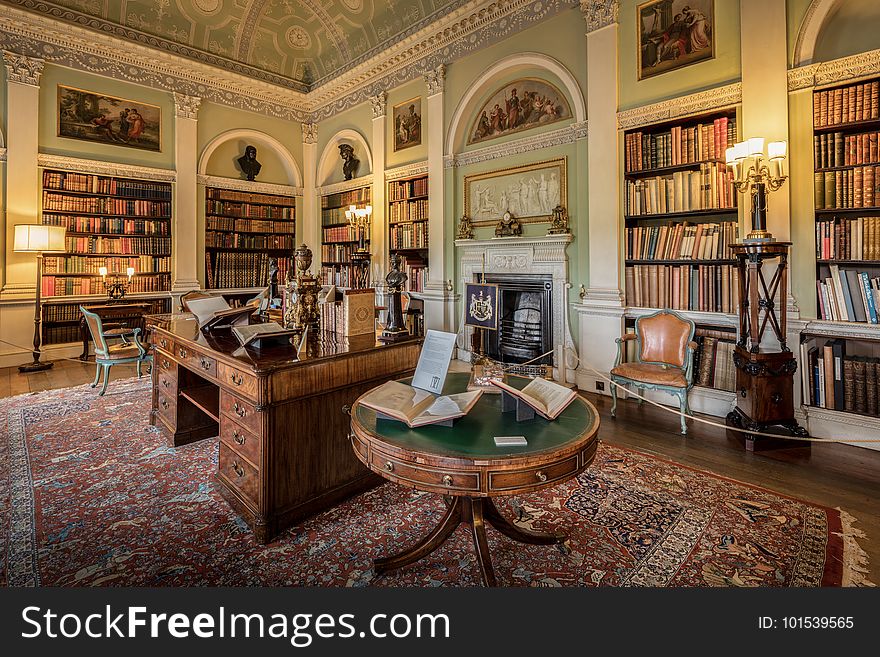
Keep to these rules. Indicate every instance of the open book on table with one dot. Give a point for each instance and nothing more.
(260, 335)
(415, 407)
(548, 399)
(214, 312)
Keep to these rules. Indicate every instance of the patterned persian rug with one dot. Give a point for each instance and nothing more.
(94, 497)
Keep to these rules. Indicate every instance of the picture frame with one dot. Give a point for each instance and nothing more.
(105, 119)
(529, 192)
(673, 34)
(522, 104)
(406, 123)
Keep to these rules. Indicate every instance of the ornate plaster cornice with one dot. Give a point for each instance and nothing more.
(249, 186)
(379, 102)
(346, 185)
(23, 69)
(310, 133)
(186, 107)
(435, 79)
(566, 135)
(406, 171)
(600, 13)
(105, 168)
(834, 71)
(703, 101)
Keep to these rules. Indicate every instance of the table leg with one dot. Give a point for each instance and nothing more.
(481, 544)
(431, 542)
(499, 522)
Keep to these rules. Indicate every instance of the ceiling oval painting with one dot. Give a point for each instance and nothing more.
(208, 7)
(519, 105)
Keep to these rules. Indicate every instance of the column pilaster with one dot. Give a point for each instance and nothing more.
(379, 226)
(186, 258)
(311, 220)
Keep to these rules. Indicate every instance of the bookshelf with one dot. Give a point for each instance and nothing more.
(242, 231)
(408, 227)
(338, 238)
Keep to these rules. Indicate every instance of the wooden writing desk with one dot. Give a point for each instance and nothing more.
(283, 421)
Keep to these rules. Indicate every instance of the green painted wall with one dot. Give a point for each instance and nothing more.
(51, 143)
(723, 69)
(359, 119)
(795, 11)
(401, 96)
(854, 28)
(800, 189)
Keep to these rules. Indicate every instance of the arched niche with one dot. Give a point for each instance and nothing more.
(490, 80)
(260, 140)
(815, 19)
(330, 163)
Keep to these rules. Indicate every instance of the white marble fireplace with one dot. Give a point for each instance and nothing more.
(545, 255)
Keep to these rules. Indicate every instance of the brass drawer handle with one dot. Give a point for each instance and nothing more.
(166, 383)
(238, 437)
(346, 409)
(206, 364)
(237, 469)
(389, 466)
(447, 481)
(165, 364)
(182, 353)
(236, 379)
(164, 404)
(540, 476)
(164, 343)
(240, 411)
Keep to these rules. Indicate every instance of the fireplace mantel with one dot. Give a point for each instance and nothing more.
(544, 254)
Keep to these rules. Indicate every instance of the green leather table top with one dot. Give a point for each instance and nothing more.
(472, 435)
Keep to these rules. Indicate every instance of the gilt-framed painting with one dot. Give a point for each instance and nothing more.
(528, 192)
(105, 119)
(673, 34)
(407, 121)
(519, 105)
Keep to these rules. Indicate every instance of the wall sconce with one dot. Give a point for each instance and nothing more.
(751, 172)
(117, 288)
(359, 218)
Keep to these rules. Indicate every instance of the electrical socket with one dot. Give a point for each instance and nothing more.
(600, 386)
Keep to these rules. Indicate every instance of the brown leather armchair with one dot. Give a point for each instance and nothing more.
(664, 358)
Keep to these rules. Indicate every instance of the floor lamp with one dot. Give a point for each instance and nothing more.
(39, 239)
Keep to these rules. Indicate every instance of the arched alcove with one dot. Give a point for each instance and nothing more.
(815, 18)
(330, 162)
(260, 139)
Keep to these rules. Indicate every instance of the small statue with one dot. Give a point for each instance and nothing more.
(248, 162)
(465, 228)
(351, 163)
(395, 328)
(508, 226)
(559, 222)
(301, 298)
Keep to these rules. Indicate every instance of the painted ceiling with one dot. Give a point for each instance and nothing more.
(299, 43)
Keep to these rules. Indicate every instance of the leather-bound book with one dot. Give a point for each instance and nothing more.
(819, 190)
(828, 365)
(849, 395)
(829, 190)
(871, 386)
(859, 385)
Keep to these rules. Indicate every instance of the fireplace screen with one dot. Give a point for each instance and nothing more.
(525, 327)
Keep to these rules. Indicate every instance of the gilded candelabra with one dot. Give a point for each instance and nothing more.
(359, 219)
(752, 172)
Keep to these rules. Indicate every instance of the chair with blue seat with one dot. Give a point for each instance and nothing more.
(128, 350)
(664, 358)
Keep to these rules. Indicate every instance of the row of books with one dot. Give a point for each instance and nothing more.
(679, 145)
(416, 272)
(343, 276)
(706, 288)
(354, 314)
(54, 286)
(339, 234)
(847, 295)
(710, 188)
(409, 236)
(858, 187)
(856, 238)
(249, 211)
(249, 225)
(334, 216)
(403, 189)
(61, 334)
(337, 252)
(230, 270)
(84, 182)
(713, 360)
(409, 211)
(681, 241)
(69, 312)
(117, 265)
(245, 241)
(345, 199)
(119, 245)
(831, 379)
(80, 224)
(217, 194)
(857, 102)
(142, 208)
(835, 149)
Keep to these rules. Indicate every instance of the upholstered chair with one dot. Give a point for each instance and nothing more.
(664, 358)
(106, 354)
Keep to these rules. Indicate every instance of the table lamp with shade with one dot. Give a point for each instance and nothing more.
(39, 239)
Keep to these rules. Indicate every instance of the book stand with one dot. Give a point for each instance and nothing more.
(511, 403)
(443, 423)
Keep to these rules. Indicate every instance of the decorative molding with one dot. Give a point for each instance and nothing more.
(23, 69)
(848, 330)
(379, 103)
(406, 171)
(2, 154)
(834, 71)
(814, 20)
(703, 101)
(346, 185)
(249, 186)
(567, 135)
(435, 79)
(696, 316)
(105, 168)
(186, 107)
(600, 13)
(310, 133)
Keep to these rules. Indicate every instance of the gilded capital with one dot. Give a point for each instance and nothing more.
(186, 107)
(378, 103)
(599, 13)
(23, 69)
(310, 133)
(435, 79)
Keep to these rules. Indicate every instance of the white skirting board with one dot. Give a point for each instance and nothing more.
(824, 423)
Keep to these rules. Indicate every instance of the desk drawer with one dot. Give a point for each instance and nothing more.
(451, 480)
(204, 365)
(241, 474)
(164, 342)
(507, 480)
(166, 383)
(167, 364)
(166, 407)
(241, 411)
(241, 440)
(244, 384)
